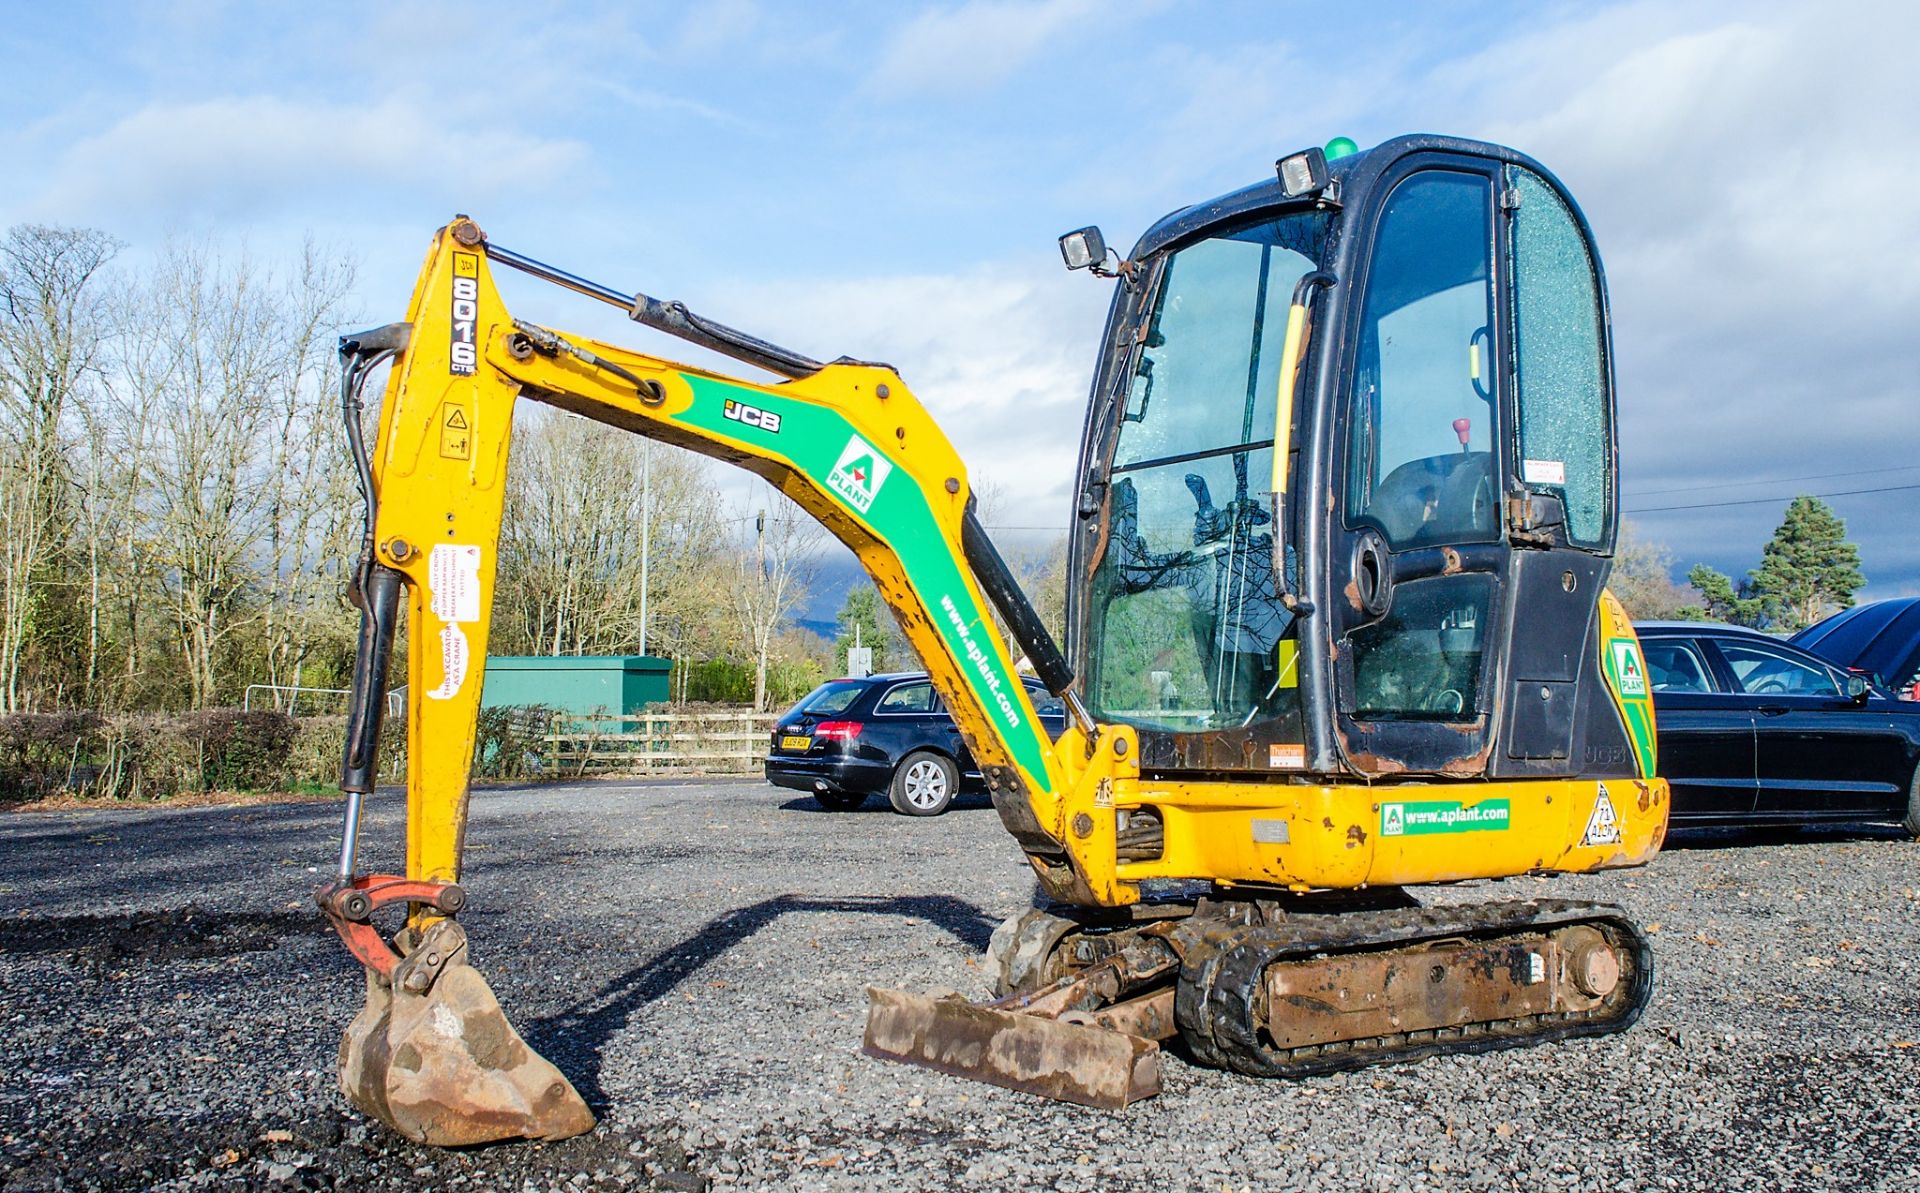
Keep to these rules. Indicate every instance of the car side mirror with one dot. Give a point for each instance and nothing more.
(1857, 689)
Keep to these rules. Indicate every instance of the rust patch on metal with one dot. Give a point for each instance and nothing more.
(1356, 836)
(1450, 561)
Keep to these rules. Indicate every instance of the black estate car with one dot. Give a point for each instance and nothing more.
(849, 738)
(1756, 731)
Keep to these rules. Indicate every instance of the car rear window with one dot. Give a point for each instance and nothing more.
(1675, 666)
(831, 698)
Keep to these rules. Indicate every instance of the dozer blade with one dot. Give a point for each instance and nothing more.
(1092, 1066)
(433, 1056)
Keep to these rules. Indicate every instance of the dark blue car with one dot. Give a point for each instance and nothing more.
(850, 738)
(1880, 639)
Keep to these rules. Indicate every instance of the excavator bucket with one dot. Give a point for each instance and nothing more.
(433, 1056)
(1093, 1066)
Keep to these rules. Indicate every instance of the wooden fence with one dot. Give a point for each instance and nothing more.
(659, 743)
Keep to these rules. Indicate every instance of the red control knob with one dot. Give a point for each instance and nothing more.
(1463, 427)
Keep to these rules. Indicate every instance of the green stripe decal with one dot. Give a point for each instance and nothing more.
(1626, 672)
(821, 444)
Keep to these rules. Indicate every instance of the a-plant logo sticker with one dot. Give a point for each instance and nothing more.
(1424, 817)
(859, 474)
(1626, 665)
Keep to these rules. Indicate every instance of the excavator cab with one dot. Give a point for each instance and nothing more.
(1411, 589)
(1337, 629)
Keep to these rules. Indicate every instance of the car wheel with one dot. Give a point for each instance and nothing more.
(1912, 822)
(923, 784)
(840, 801)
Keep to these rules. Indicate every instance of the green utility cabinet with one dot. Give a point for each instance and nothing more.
(607, 684)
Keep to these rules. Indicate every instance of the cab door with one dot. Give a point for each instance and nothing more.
(1416, 536)
(1474, 500)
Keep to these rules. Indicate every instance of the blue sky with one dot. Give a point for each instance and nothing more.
(886, 181)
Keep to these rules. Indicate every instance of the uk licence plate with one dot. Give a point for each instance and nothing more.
(791, 742)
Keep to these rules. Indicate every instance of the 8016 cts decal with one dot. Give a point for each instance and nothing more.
(466, 312)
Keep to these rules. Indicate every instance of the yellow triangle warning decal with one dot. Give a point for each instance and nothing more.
(1603, 826)
(455, 418)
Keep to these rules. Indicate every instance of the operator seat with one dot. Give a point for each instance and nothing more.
(1436, 499)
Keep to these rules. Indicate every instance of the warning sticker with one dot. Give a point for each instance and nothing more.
(1543, 472)
(453, 582)
(1603, 827)
(453, 657)
(456, 432)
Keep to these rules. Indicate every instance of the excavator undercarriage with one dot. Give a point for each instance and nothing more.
(1271, 988)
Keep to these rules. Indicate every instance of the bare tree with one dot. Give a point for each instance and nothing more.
(771, 580)
(51, 330)
(310, 523)
(238, 499)
(1642, 577)
(570, 564)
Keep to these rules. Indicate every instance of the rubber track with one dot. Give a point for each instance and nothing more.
(1216, 1001)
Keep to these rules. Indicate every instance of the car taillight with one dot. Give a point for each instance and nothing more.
(837, 730)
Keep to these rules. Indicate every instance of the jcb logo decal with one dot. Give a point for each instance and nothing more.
(753, 416)
(466, 313)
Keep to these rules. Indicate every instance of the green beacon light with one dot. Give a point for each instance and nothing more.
(1341, 147)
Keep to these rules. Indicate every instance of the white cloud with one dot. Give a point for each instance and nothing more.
(246, 156)
(979, 43)
(1749, 172)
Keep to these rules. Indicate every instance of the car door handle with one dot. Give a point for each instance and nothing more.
(1772, 710)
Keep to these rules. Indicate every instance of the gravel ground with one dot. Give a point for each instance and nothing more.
(692, 955)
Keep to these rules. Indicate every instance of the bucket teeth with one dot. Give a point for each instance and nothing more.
(1092, 1066)
(444, 1067)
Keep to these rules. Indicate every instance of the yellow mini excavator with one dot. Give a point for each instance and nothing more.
(1337, 628)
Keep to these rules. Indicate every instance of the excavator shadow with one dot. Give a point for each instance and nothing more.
(575, 1038)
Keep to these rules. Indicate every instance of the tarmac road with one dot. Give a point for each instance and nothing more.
(693, 956)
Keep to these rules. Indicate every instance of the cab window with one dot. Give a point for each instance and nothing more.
(1559, 361)
(1421, 428)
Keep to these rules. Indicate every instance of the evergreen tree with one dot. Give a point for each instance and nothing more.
(1809, 569)
(862, 611)
(1720, 602)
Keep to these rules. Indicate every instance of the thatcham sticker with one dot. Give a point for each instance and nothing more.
(859, 474)
(1444, 816)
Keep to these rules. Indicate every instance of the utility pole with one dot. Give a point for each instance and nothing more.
(646, 531)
